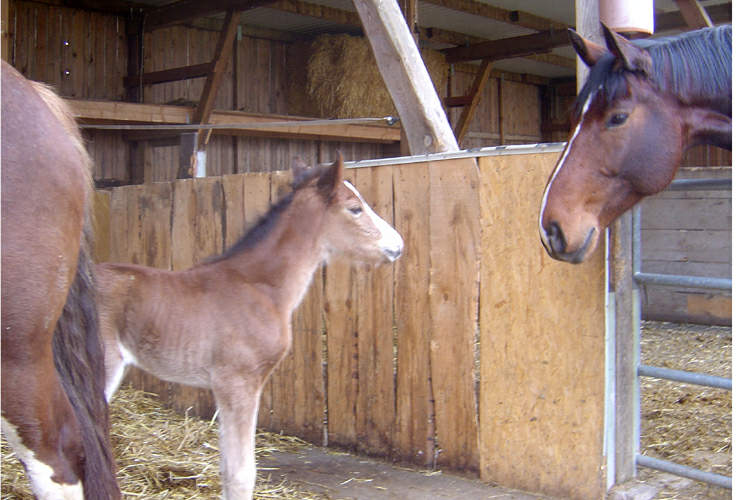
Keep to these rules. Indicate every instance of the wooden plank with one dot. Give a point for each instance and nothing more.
(375, 407)
(687, 213)
(170, 75)
(5, 38)
(343, 369)
(187, 10)
(542, 344)
(521, 112)
(124, 112)
(506, 48)
(454, 295)
(674, 20)
(516, 17)
(415, 414)
(405, 75)
(694, 13)
(693, 246)
(101, 217)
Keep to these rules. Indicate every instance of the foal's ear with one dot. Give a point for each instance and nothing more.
(588, 51)
(331, 178)
(632, 57)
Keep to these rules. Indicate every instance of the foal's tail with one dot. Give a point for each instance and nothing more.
(79, 359)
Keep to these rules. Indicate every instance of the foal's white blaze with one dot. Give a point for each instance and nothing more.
(40, 474)
(390, 241)
(558, 167)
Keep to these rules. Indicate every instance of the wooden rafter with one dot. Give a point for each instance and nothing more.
(504, 48)
(170, 75)
(694, 13)
(516, 17)
(187, 10)
(216, 75)
(474, 95)
(674, 20)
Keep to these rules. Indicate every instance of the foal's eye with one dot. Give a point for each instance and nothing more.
(355, 210)
(617, 119)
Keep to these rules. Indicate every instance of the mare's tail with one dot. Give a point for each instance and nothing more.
(79, 359)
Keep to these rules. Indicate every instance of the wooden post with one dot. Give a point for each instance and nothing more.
(405, 75)
(134, 31)
(5, 41)
(587, 25)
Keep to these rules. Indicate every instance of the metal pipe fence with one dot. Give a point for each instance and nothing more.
(702, 379)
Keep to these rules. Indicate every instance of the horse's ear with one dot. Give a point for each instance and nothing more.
(298, 168)
(331, 177)
(588, 51)
(632, 57)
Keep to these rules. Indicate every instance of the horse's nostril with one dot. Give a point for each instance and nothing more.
(393, 253)
(556, 238)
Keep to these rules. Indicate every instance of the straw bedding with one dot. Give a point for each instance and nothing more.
(683, 423)
(162, 454)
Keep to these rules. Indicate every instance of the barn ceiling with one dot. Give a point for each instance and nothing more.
(445, 23)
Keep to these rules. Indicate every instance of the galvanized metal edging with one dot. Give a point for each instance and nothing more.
(687, 377)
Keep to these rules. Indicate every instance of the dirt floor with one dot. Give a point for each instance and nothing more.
(162, 454)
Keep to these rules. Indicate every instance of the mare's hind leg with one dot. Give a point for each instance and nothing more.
(42, 430)
(238, 401)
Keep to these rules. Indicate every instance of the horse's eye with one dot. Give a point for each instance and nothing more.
(355, 210)
(617, 119)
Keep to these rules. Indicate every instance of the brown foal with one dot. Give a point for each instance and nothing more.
(226, 324)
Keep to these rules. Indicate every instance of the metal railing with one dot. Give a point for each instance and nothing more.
(701, 379)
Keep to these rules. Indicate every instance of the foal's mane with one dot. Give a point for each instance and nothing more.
(267, 222)
(696, 64)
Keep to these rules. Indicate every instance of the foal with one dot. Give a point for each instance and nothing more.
(226, 324)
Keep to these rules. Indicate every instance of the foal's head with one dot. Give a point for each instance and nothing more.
(349, 226)
(643, 104)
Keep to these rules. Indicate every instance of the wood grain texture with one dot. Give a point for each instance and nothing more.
(542, 344)
(376, 405)
(415, 410)
(454, 294)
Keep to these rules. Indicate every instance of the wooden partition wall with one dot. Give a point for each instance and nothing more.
(475, 351)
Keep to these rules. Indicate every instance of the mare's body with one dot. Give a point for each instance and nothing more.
(54, 413)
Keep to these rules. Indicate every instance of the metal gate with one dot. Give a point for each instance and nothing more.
(624, 319)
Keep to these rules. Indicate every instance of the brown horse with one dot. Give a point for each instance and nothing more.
(54, 414)
(225, 324)
(643, 105)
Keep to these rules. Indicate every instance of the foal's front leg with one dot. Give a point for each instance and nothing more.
(238, 417)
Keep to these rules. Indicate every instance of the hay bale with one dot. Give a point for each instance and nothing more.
(162, 454)
(343, 80)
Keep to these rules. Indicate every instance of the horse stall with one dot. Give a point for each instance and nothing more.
(462, 355)
(474, 352)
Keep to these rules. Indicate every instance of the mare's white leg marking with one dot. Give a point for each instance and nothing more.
(114, 379)
(559, 165)
(390, 239)
(40, 474)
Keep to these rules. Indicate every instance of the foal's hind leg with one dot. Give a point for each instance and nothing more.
(238, 415)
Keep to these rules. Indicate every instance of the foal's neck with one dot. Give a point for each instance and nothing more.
(284, 262)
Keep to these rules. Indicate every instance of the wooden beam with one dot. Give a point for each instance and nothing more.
(515, 17)
(5, 34)
(509, 47)
(475, 94)
(215, 77)
(405, 75)
(668, 21)
(187, 10)
(170, 75)
(338, 16)
(694, 13)
(117, 112)
(134, 32)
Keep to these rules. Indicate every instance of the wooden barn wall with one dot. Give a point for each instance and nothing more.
(408, 361)
(83, 54)
(688, 233)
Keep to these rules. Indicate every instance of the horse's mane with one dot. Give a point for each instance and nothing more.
(267, 222)
(692, 65)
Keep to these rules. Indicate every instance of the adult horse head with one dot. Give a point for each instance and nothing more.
(643, 105)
